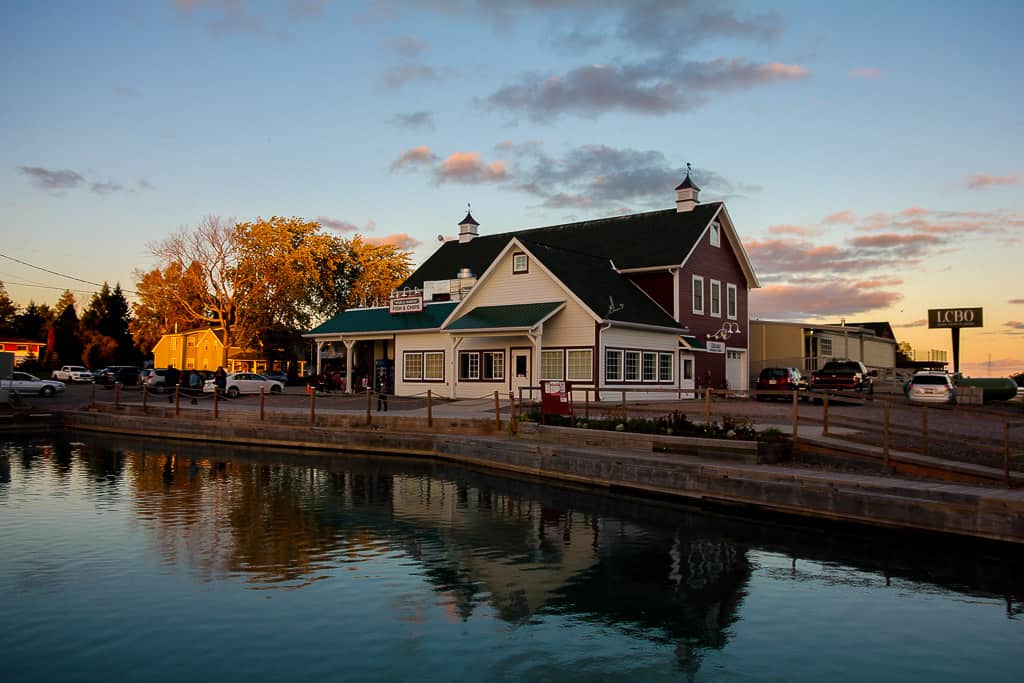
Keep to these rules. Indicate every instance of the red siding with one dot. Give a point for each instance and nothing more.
(713, 263)
(658, 286)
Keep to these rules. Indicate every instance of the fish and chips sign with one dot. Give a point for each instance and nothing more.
(954, 318)
(406, 301)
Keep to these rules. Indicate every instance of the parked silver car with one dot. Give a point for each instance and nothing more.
(245, 383)
(24, 383)
(931, 387)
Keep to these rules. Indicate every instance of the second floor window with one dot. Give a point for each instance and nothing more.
(716, 298)
(730, 301)
(698, 294)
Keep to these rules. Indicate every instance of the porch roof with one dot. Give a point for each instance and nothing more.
(512, 316)
(362, 320)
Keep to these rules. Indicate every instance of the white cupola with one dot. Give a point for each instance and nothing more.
(687, 193)
(468, 227)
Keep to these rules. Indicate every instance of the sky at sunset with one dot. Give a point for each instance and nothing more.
(871, 154)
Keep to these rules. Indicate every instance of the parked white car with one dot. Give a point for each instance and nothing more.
(72, 373)
(24, 383)
(245, 383)
(931, 387)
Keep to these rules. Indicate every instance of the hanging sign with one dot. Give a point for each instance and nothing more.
(715, 346)
(943, 318)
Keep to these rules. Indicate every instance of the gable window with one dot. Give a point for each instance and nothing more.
(716, 299)
(698, 295)
(580, 364)
(632, 366)
(520, 264)
(730, 301)
(715, 234)
(551, 364)
(665, 368)
(612, 366)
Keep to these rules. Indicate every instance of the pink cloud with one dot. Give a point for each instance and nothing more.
(345, 226)
(1014, 324)
(982, 181)
(878, 282)
(417, 156)
(467, 167)
(869, 72)
(891, 239)
(778, 70)
(792, 230)
(914, 211)
(841, 217)
(788, 300)
(402, 240)
(1015, 301)
(923, 322)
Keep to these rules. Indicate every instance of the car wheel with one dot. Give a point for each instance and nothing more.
(233, 392)
(275, 389)
(46, 391)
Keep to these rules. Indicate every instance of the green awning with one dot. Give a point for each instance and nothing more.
(511, 317)
(368, 320)
(693, 342)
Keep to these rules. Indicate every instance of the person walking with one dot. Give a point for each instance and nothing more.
(220, 378)
(382, 395)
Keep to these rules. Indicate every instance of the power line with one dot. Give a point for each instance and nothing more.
(64, 275)
(35, 284)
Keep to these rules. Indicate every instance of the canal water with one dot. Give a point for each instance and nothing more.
(128, 560)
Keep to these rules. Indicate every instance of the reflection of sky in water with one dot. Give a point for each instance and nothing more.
(118, 562)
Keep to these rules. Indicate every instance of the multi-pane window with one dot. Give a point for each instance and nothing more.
(433, 365)
(469, 365)
(632, 366)
(665, 369)
(613, 365)
(580, 365)
(825, 346)
(551, 364)
(650, 367)
(730, 301)
(716, 298)
(412, 365)
(698, 294)
(494, 365)
(519, 263)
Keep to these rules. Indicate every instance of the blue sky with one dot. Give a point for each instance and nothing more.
(869, 153)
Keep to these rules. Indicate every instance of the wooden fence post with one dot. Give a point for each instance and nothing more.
(924, 429)
(824, 429)
(369, 398)
(430, 409)
(1006, 453)
(513, 422)
(586, 404)
(262, 398)
(497, 412)
(885, 435)
(177, 400)
(796, 417)
(623, 405)
(216, 401)
(312, 406)
(117, 395)
(707, 405)
(145, 395)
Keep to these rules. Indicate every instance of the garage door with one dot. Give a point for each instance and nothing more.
(736, 369)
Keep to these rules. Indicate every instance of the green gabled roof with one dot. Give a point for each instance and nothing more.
(357, 320)
(513, 316)
(694, 343)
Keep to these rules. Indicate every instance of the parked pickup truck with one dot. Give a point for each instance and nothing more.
(72, 373)
(843, 375)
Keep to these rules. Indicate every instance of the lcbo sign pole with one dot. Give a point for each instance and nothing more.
(954, 319)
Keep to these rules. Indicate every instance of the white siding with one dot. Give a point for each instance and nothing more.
(423, 342)
(879, 353)
(620, 337)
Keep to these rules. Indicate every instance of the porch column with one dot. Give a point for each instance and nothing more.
(456, 341)
(350, 345)
(536, 339)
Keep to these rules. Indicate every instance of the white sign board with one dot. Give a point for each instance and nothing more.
(715, 347)
(406, 304)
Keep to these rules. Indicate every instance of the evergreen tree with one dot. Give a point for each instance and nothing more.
(67, 344)
(104, 329)
(33, 322)
(8, 312)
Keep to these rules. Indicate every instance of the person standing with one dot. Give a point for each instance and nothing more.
(220, 378)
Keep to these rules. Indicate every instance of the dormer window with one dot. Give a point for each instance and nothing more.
(716, 234)
(520, 264)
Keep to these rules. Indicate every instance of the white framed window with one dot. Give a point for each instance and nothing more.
(520, 263)
(687, 368)
(433, 365)
(412, 365)
(650, 366)
(698, 295)
(612, 365)
(580, 365)
(730, 301)
(494, 365)
(469, 365)
(825, 346)
(715, 234)
(665, 367)
(632, 366)
(552, 364)
(715, 303)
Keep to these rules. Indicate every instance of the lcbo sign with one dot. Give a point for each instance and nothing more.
(942, 318)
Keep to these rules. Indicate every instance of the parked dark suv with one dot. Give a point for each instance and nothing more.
(127, 375)
(779, 380)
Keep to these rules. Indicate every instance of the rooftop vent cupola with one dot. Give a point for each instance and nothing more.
(687, 193)
(468, 227)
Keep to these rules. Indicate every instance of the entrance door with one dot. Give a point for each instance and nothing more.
(686, 374)
(736, 370)
(520, 371)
